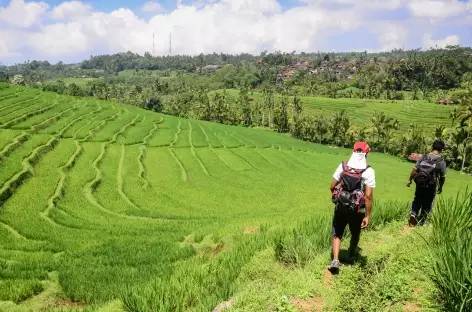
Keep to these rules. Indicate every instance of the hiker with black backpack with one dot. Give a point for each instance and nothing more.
(352, 193)
(429, 175)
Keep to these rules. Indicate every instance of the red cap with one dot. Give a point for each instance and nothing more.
(363, 146)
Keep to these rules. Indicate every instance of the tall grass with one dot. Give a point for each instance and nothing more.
(196, 285)
(303, 243)
(451, 251)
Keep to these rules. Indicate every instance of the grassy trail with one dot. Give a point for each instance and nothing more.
(389, 275)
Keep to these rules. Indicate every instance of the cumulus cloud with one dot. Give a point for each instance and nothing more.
(429, 42)
(152, 7)
(23, 14)
(392, 36)
(438, 9)
(70, 10)
(207, 26)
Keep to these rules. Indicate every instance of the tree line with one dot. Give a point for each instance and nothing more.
(285, 114)
(172, 85)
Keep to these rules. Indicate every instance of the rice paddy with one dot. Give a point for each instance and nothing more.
(101, 202)
(360, 111)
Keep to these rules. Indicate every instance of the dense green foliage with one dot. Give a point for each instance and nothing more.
(451, 251)
(389, 99)
(121, 202)
(138, 204)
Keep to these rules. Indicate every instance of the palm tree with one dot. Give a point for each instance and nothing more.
(377, 120)
(297, 108)
(389, 126)
(440, 132)
(462, 139)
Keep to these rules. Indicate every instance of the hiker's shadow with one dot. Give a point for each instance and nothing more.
(358, 258)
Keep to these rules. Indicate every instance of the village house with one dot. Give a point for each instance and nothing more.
(209, 68)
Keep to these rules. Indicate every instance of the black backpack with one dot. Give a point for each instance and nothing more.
(426, 171)
(349, 193)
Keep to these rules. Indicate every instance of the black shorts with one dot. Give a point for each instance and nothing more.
(342, 218)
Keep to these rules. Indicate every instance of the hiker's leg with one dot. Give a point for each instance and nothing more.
(416, 204)
(355, 223)
(339, 224)
(427, 206)
(336, 247)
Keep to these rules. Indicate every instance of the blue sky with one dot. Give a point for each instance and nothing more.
(73, 30)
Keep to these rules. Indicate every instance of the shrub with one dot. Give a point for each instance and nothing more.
(451, 251)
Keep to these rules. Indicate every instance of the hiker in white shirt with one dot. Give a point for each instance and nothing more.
(352, 193)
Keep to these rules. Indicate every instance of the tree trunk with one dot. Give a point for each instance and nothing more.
(464, 157)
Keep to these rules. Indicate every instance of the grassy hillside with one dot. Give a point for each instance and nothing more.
(102, 202)
(429, 115)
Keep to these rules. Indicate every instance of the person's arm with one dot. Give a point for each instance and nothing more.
(369, 181)
(442, 180)
(412, 176)
(336, 178)
(442, 176)
(369, 198)
(334, 182)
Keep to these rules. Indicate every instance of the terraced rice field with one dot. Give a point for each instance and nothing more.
(98, 199)
(428, 115)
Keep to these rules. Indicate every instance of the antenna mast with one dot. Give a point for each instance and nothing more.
(153, 46)
(170, 43)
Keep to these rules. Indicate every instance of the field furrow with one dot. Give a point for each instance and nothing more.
(120, 181)
(12, 231)
(61, 130)
(47, 122)
(176, 134)
(91, 187)
(213, 140)
(15, 142)
(142, 155)
(192, 148)
(10, 92)
(9, 187)
(183, 172)
(18, 101)
(198, 136)
(166, 132)
(114, 127)
(17, 153)
(86, 136)
(60, 186)
(25, 116)
(18, 109)
(239, 154)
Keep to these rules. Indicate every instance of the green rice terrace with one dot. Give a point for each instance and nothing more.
(107, 207)
(429, 115)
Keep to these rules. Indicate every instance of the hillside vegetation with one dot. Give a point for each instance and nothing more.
(103, 203)
(401, 101)
(360, 111)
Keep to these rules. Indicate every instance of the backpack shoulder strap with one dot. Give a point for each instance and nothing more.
(345, 167)
(362, 171)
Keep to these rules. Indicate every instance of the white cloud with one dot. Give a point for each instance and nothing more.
(429, 42)
(366, 5)
(23, 14)
(73, 40)
(437, 9)
(391, 36)
(206, 26)
(70, 10)
(152, 6)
